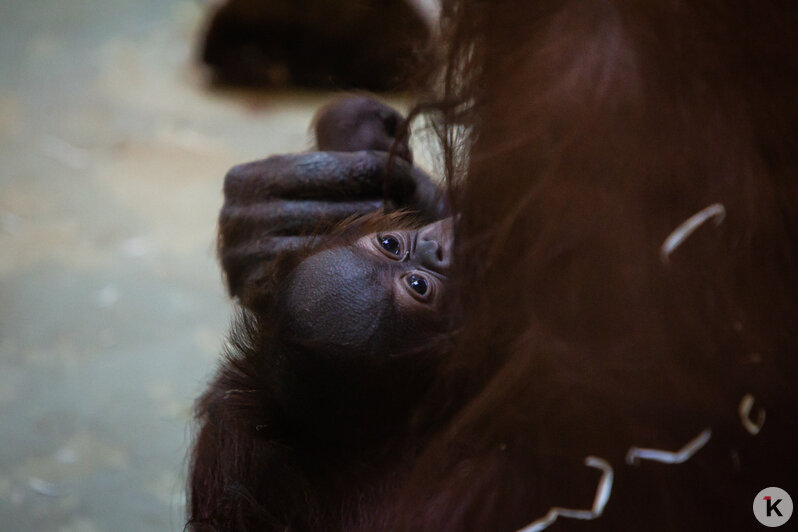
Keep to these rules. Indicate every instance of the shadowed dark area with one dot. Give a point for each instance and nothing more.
(330, 44)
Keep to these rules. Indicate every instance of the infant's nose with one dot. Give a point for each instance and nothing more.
(433, 246)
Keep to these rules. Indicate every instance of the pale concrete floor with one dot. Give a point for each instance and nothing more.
(112, 311)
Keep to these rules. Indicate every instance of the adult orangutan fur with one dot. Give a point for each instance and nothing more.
(594, 130)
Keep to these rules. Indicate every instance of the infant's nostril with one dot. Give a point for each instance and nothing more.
(433, 248)
(431, 254)
(391, 123)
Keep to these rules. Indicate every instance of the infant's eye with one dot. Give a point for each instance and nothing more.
(418, 284)
(390, 244)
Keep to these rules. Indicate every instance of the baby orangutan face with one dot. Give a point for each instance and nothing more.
(382, 294)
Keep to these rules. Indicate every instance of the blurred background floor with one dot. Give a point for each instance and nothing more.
(112, 311)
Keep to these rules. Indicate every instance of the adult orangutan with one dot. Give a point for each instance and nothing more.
(627, 268)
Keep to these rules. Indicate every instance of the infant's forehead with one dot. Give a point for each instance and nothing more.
(338, 296)
(350, 262)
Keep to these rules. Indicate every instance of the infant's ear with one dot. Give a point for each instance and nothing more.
(355, 123)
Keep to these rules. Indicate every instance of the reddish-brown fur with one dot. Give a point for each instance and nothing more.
(594, 130)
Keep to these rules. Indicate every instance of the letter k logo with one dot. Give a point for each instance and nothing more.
(772, 506)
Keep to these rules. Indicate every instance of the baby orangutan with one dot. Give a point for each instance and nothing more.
(339, 260)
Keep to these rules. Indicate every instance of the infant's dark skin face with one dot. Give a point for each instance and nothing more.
(381, 294)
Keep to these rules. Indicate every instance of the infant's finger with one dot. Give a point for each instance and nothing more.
(288, 217)
(251, 260)
(315, 175)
